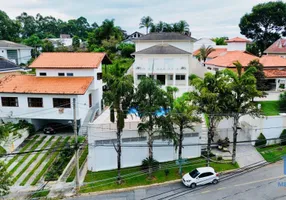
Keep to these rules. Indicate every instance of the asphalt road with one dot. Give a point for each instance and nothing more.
(260, 184)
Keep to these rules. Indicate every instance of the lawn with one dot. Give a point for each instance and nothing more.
(272, 153)
(270, 108)
(106, 180)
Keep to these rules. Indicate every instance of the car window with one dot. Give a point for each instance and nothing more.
(205, 174)
(194, 173)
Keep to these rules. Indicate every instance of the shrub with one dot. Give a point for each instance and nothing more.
(149, 162)
(261, 140)
(167, 172)
(219, 158)
(283, 137)
(282, 102)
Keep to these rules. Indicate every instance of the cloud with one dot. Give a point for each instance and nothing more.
(209, 18)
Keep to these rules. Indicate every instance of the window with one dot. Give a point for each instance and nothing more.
(205, 174)
(35, 102)
(194, 173)
(99, 76)
(170, 77)
(61, 74)
(151, 76)
(140, 76)
(180, 77)
(61, 103)
(43, 74)
(10, 101)
(69, 74)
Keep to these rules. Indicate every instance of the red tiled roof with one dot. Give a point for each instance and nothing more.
(277, 47)
(214, 54)
(68, 60)
(276, 73)
(44, 85)
(237, 39)
(272, 61)
(230, 57)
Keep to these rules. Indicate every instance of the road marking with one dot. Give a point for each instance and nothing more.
(207, 191)
(258, 181)
(222, 188)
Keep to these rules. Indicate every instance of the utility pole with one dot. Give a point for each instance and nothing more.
(77, 186)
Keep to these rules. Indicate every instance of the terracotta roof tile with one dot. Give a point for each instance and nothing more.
(214, 54)
(272, 61)
(277, 47)
(68, 60)
(276, 73)
(237, 39)
(44, 85)
(230, 57)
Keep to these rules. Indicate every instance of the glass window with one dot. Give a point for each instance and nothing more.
(205, 174)
(170, 77)
(10, 101)
(61, 74)
(99, 76)
(194, 173)
(61, 103)
(180, 77)
(35, 102)
(43, 74)
(69, 74)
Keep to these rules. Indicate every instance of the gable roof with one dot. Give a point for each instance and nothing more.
(165, 36)
(6, 65)
(44, 85)
(230, 57)
(237, 39)
(272, 61)
(214, 54)
(161, 49)
(13, 45)
(279, 46)
(276, 73)
(70, 60)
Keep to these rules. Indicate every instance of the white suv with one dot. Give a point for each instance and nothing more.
(200, 176)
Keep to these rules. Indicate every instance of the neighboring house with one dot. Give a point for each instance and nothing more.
(8, 68)
(64, 40)
(17, 53)
(102, 136)
(129, 39)
(204, 41)
(278, 48)
(166, 57)
(47, 96)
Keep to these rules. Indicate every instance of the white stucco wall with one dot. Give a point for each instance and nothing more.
(24, 55)
(234, 46)
(203, 41)
(184, 45)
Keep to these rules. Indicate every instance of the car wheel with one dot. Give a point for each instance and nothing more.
(215, 181)
(193, 185)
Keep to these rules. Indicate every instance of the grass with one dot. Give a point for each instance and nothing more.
(270, 108)
(26, 155)
(104, 181)
(41, 161)
(272, 153)
(49, 163)
(22, 150)
(81, 160)
(41, 193)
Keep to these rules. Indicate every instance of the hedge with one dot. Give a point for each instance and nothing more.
(261, 140)
(283, 137)
(27, 155)
(22, 150)
(81, 162)
(52, 158)
(31, 161)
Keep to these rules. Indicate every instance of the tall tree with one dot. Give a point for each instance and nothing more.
(204, 52)
(261, 83)
(9, 29)
(220, 40)
(5, 180)
(265, 24)
(210, 97)
(239, 101)
(146, 22)
(119, 97)
(150, 98)
(182, 26)
(47, 46)
(75, 42)
(28, 23)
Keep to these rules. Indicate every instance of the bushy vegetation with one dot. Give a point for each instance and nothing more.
(261, 141)
(149, 162)
(40, 193)
(283, 137)
(2, 150)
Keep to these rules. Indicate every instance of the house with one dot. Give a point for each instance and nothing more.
(164, 56)
(8, 68)
(102, 135)
(129, 39)
(47, 96)
(64, 40)
(278, 48)
(204, 41)
(16, 53)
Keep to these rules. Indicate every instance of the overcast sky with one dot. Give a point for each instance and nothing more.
(208, 18)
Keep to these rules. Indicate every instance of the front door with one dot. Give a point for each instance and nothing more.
(161, 79)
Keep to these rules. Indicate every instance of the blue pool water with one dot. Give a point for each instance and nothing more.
(158, 113)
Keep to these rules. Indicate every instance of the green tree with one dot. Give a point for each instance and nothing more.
(47, 46)
(29, 25)
(261, 83)
(36, 42)
(150, 98)
(282, 102)
(220, 40)
(119, 97)
(146, 22)
(126, 50)
(253, 49)
(75, 42)
(210, 98)
(9, 29)
(5, 181)
(182, 26)
(239, 101)
(204, 52)
(265, 24)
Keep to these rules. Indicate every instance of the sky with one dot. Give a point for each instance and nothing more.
(208, 18)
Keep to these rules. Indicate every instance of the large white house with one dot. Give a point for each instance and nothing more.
(47, 96)
(17, 53)
(165, 57)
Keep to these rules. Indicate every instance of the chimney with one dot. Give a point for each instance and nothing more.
(237, 44)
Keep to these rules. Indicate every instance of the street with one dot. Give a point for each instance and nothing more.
(262, 183)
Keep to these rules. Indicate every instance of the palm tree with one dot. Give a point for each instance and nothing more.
(239, 101)
(147, 22)
(205, 52)
(119, 97)
(182, 26)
